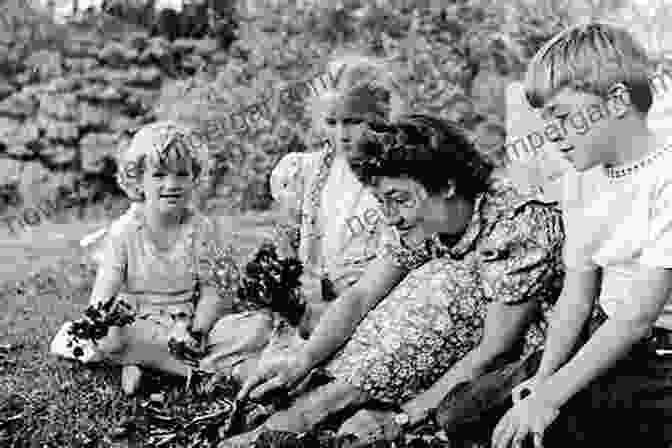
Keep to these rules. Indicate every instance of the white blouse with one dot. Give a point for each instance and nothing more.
(350, 225)
(620, 225)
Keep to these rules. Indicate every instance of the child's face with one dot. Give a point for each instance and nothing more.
(580, 124)
(345, 133)
(166, 189)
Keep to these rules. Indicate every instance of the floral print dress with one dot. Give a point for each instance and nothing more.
(510, 252)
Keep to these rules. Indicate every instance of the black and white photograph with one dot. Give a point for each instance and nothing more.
(335, 223)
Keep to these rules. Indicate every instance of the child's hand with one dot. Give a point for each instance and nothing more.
(113, 342)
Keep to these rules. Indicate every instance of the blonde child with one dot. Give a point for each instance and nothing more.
(593, 81)
(338, 224)
(334, 225)
(158, 256)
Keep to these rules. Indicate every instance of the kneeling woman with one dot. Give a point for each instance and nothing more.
(478, 262)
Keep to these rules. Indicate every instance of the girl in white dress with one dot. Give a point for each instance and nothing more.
(337, 223)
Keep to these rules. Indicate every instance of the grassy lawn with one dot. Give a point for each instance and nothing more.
(45, 279)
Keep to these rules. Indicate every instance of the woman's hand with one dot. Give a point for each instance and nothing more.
(181, 334)
(281, 372)
(529, 417)
(113, 342)
(524, 389)
(371, 426)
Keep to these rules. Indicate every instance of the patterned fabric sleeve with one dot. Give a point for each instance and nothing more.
(403, 256)
(522, 255)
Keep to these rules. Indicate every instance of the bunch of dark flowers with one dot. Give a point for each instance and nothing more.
(272, 282)
(98, 319)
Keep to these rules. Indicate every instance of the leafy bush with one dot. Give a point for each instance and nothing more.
(467, 48)
(472, 48)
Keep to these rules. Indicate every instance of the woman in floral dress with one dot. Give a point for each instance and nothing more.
(479, 262)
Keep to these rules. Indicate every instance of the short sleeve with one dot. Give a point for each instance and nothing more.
(288, 182)
(579, 245)
(657, 249)
(404, 257)
(520, 258)
(580, 190)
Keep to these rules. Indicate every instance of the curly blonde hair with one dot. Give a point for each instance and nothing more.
(163, 143)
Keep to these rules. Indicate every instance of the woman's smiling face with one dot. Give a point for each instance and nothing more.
(411, 210)
(345, 132)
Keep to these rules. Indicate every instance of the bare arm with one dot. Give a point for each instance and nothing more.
(504, 326)
(211, 306)
(335, 327)
(342, 317)
(209, 309)
(570, 315)
(613, 340)
(109, 280)
(108, 283)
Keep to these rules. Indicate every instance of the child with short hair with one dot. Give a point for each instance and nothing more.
(614, 388)
(338, 224)
(159, 258)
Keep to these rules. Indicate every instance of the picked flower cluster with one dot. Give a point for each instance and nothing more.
(273, 282)
(224, 269)
(267, 281)
(97, 321)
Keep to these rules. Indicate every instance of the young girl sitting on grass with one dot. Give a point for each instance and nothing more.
(158, 257)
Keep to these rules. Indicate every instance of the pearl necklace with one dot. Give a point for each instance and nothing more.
(623, 171)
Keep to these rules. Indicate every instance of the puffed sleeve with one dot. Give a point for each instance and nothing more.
(657, 249)
(288, 183)
(404, 257)
(521, 256)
